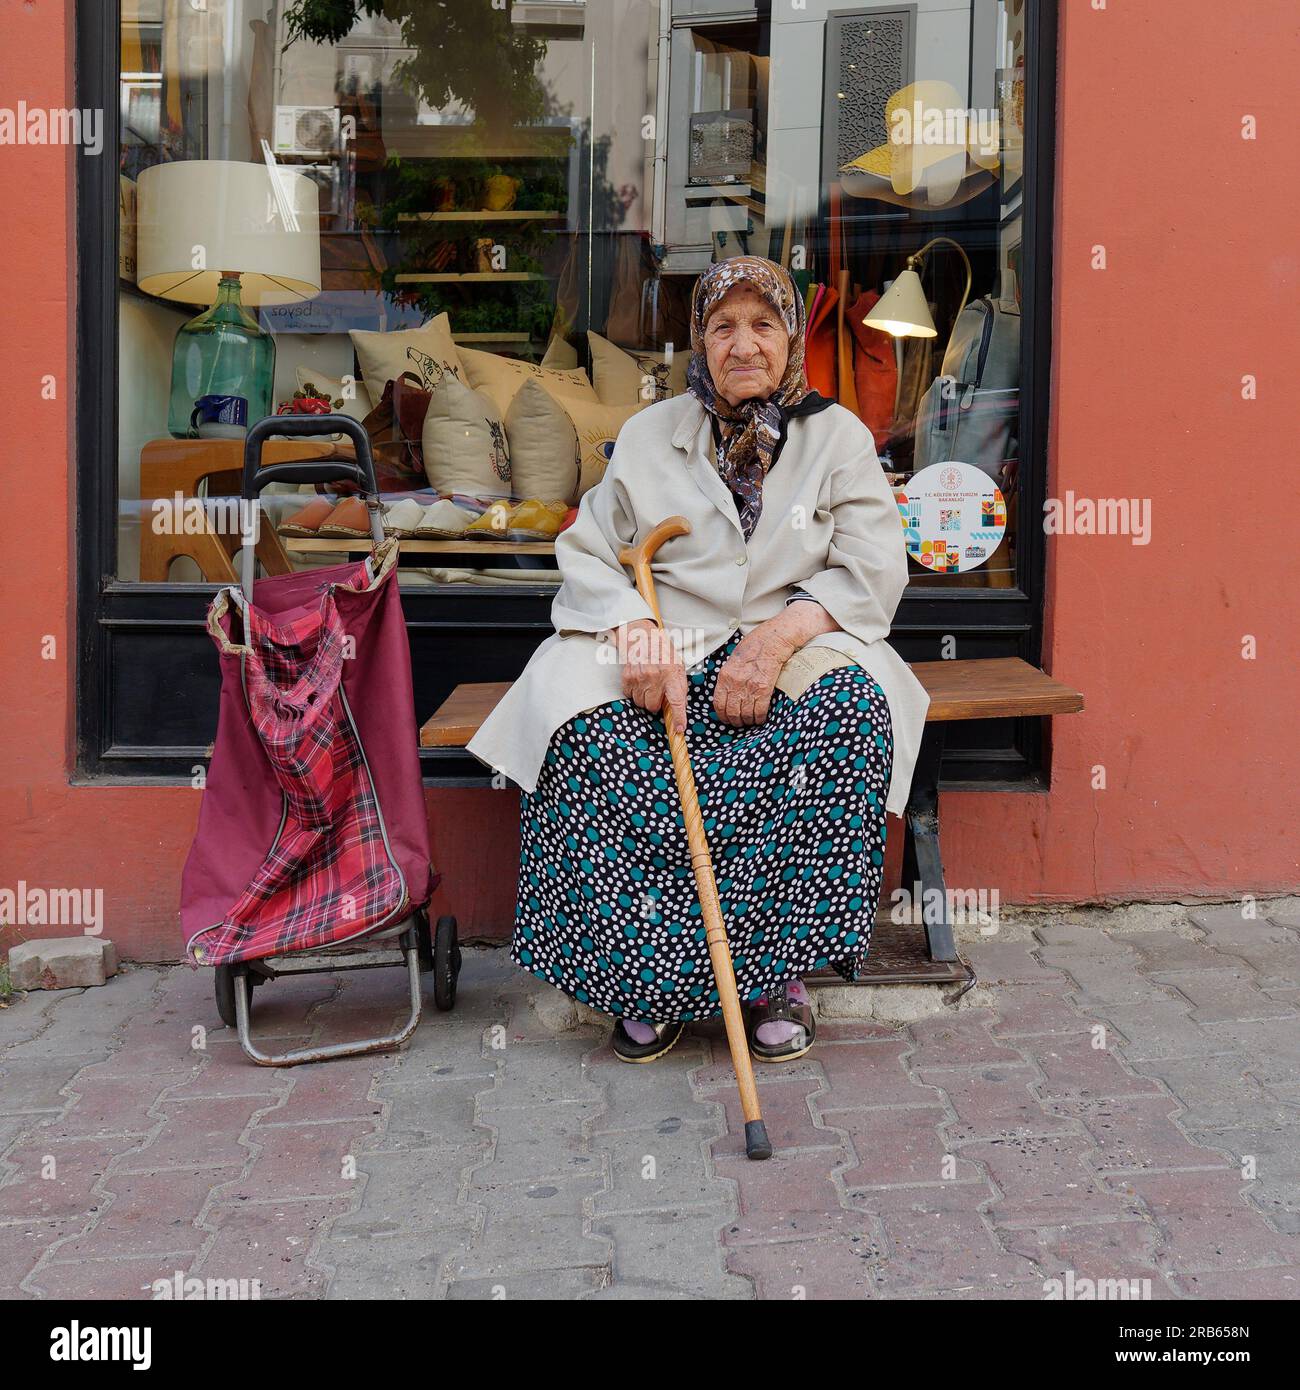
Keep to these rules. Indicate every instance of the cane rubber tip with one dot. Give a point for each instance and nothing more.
(757, 1144)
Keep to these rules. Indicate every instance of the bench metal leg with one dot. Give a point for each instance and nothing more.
(922, 861)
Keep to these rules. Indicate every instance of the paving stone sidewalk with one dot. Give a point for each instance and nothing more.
(1119, 1099)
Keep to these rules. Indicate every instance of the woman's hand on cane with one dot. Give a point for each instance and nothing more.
(653, 674)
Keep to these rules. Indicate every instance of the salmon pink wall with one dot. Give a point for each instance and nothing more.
(1199, 290)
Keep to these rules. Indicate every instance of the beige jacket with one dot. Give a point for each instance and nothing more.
(829, 525)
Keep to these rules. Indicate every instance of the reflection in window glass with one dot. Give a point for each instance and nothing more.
(409, 212)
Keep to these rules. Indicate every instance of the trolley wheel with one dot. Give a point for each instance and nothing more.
(225, 992)
(224, 988)
(424, 942)
(446, 963)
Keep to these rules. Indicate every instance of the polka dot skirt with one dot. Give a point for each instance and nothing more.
(794, 810)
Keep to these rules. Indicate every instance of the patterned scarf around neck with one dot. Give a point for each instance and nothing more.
(748, 432)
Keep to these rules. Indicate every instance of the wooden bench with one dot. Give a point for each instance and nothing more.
(992, 688)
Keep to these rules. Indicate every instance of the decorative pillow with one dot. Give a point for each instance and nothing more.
(465, 447)
(598, 426)
(635, 378)
(560, 354)
(501, 377)
(358, 404)
(428, 351)
(544, 454)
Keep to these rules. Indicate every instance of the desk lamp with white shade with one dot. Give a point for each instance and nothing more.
(229, 235)
(902, 310)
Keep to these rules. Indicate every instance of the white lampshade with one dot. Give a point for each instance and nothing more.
(902, 310)
(198, 217)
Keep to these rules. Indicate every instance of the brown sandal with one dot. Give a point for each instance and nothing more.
(776, 1007)
(627, 1049)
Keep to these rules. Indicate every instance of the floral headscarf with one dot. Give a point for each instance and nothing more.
(750, 431)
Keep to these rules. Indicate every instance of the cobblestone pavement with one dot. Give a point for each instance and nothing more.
(1119, 1099)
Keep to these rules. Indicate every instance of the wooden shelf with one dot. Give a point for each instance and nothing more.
(485, 549)
(470, 142)
(751, 204)
(509, 215)
(479, 276)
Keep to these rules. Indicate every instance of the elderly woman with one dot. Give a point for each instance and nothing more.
(803, 724)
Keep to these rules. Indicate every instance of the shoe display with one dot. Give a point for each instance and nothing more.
(349, 518)
(493, 525)
(307, 521)
(401, 518)
(443, 520)
(534, 520)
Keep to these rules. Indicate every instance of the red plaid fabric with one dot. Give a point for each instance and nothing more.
(330, 875)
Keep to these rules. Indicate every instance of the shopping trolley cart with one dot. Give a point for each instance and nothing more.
(312, 846)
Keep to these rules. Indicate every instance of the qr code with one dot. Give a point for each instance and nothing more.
(950, 519)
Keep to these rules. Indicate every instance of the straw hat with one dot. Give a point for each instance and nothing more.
(919, 167)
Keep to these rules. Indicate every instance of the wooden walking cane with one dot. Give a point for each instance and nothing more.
(757, 1144)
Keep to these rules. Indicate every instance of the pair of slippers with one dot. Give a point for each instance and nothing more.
(529, 520)
(440, 520)
(324, 517)
(780, 1028)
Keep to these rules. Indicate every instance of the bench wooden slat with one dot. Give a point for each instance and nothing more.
(993, 688)
(461, 714)
(999, 687)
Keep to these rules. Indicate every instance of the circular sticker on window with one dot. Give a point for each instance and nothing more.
(953, 516)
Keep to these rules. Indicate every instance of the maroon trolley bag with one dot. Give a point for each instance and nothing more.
(313, 835)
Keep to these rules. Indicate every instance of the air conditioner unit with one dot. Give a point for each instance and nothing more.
(306, 129)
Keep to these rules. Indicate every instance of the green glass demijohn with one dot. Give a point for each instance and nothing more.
(222, 352)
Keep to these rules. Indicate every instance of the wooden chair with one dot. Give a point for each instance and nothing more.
(171, 466)
(992, 688)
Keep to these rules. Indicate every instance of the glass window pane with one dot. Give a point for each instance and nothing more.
(406, 210)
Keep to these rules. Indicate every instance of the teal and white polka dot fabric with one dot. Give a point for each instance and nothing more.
(794, 810)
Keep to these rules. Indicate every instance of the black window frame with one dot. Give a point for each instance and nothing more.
(146, 676)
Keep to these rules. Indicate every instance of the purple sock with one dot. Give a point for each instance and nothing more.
(639, 1032)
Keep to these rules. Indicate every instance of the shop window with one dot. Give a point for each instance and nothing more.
(406, 218)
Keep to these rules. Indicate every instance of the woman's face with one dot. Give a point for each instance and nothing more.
(746, 346)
